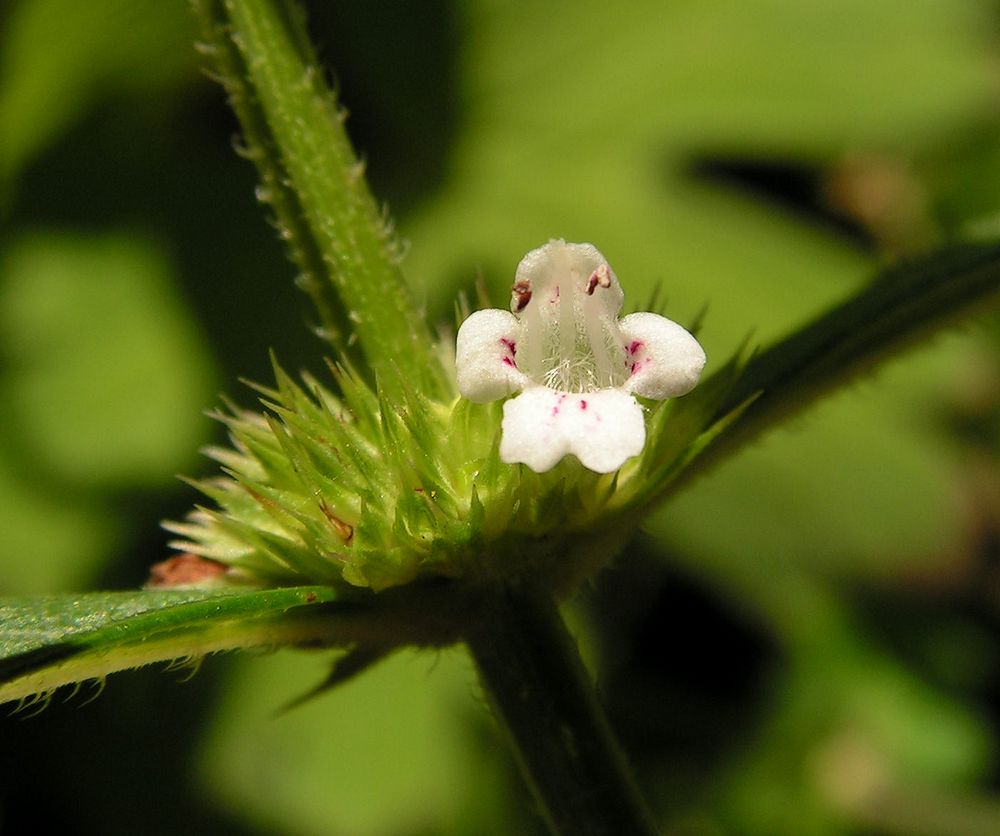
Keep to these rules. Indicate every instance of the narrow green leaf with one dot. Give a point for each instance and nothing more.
(904, 305)
(46, 642)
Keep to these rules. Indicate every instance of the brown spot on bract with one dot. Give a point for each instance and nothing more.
(344, 530)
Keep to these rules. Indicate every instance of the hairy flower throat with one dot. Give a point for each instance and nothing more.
(570, 341)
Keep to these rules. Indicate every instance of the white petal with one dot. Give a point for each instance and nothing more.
(484, 356)
(602, 429)
(665, 360)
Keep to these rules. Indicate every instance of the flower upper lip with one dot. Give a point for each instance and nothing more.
(576, 365)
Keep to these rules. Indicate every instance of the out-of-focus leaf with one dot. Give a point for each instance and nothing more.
(383, 755)
(57, 56)
(102, 382)
(853, 728)
(581, 126)
(106, 376)
(51, 541)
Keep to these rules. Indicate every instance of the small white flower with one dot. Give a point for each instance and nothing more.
(576, 365)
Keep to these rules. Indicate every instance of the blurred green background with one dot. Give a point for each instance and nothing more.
(804, 643)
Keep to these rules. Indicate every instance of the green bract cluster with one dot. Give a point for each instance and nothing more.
(352, 489)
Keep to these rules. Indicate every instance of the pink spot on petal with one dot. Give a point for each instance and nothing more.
(634, 346)
(511, 347)
(583, 405)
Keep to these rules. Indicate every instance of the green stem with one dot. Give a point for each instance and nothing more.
(337, 235)
(258, 145)
(541, 693)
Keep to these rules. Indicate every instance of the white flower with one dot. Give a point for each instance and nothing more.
(576, 365)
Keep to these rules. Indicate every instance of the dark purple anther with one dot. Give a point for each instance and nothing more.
(521, 295)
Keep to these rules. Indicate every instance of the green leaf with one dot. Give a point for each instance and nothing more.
(47, 642)
(894, 312)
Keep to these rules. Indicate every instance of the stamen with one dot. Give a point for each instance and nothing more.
(520, 295)
(599, 278)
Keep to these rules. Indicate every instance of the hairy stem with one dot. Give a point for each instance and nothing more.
(536, 682)
(337, 235)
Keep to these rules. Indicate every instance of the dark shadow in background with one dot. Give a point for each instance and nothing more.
(684, 681)
(793, 185)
